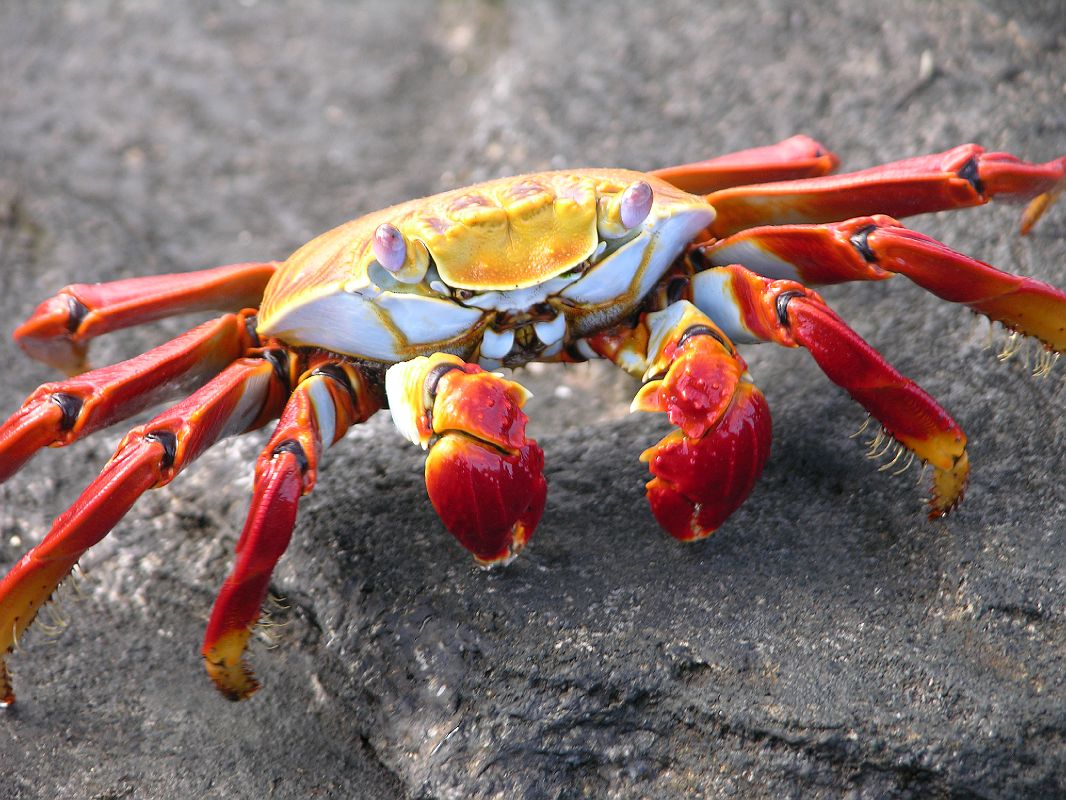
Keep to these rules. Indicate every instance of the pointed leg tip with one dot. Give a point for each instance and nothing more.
(234, 680)
(948, 487)
(227, 668)
(7, 693)
(1036, 208)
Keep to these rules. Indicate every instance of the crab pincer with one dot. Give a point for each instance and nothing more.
(484, 477)
(706, 469)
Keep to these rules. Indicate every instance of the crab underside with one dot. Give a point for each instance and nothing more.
(412, 307)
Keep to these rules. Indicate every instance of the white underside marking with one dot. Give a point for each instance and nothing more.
(713, 294)
(612, 277)
(425, 320)
(404, 414)
(518, 299)
(351, 324)
(496, 344)
(551, 331)
(760, 261)
(325, 412)
(253, 393)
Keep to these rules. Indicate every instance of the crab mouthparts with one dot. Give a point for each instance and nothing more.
(526, 335)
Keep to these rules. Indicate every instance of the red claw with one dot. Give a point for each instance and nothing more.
(697, 388)
(484, 477)
(481, 404)
(490, 500)
(698, 483)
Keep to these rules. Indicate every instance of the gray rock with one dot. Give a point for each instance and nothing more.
(827, 642)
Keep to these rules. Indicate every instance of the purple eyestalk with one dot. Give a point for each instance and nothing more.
(635, 205)
(390, 248)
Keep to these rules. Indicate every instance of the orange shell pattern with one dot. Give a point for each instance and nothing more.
(505, 234)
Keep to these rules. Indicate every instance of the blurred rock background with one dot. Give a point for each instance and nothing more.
(827, 642)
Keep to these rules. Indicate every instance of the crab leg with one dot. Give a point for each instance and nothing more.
(59, 413)
(59, 330)
(752, 308)
(703, 471)
(241, 398)
(874, 248)
(483, 475)
(325, 404)
(958, 178)
(796, 157)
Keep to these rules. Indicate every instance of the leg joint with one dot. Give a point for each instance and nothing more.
(970, 171)
(860, 241)
(76, 313)
(170, 446)
(703, 330)
(295, 448)
(781, 304)
(71, 406)
(279, 360)
(336, 373)
(250, 323)
(433, 378)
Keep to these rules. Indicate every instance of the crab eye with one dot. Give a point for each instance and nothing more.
(390, 247)
(635, 204)
(623, 212)
(463, 294)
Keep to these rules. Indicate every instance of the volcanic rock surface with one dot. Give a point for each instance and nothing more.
(828, 641)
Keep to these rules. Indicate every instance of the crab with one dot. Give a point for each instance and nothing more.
(416, 308)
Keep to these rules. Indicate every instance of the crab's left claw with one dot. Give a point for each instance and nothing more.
(706, 469)
(483, 475)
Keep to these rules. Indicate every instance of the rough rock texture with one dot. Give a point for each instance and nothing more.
(827, 642)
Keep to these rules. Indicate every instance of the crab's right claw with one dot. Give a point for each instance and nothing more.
(484, 477)
(490, 500)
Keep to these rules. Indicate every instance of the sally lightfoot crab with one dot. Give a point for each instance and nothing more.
(415, 306)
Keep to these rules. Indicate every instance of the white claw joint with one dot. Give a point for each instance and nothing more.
(618, 214)
(409, 402)
(407, 260)
(411, 388)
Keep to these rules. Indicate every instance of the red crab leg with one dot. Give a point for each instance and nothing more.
(873, 248)
(961, 177)
(241, 398)
(706, 469)
(59, 330)
(59, 413)
(325, 404)
(785, 312)
(483, 475)
(797, 157)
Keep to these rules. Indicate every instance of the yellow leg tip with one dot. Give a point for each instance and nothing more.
(948, 486)
(225, 666)
(7, 692)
